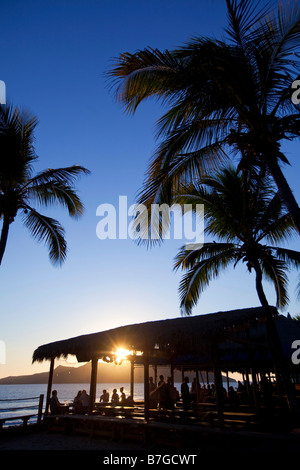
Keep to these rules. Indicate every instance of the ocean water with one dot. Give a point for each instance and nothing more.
(23, 399)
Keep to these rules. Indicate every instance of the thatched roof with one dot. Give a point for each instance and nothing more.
(184, 335)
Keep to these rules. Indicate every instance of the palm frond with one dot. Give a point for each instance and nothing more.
(164, 181)
(65, 176)
(277, 230)
(243, 17)
(277, 42)
(17, 145)
(54, 192)
(272, 222)
(201, 273)
(186, 258)
(281, 31)
(275, 270)
(290, 257)
(47, 230)
(146, 73)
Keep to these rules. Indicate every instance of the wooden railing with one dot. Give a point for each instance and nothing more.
(23, 416)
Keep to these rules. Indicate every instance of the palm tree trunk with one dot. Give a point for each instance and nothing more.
(285, 191)
(4, 235)
(282, 376)
(259, 288)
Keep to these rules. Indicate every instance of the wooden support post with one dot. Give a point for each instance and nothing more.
(219, 392)
(172, 374)
(255, 391)
(132, 378)
(146, 388)
(40, 410)
(50, 380)
(155, 375)
(218, 384)
(248, 388)
(197, 386)
(93, 384)
(227, 380)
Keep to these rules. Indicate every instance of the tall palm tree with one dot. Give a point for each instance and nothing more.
(19, 188)
(228, 98)
(249, 220)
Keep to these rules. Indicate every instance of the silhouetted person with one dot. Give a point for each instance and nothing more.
(152, 385)
(85, 401)
(232, 396)
(153, 395)
(129, 400)
(172, 394)
(77, 403)
(195, 390)
(115, 397)
(267, 396)
(54, 403)
(123, 396)
(162, 393)
(185, 394)
(104, 397)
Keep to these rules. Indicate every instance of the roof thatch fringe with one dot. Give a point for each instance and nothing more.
(184, 335)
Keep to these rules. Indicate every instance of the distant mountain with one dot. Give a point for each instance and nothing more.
(107, 373)
(64, 375)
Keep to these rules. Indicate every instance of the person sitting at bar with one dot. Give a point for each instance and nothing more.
(104, 397)
(85, 401)
(115, 397)
(55, 405)
(77, 403)
(123, 396)
(153, 396)
(129, 400)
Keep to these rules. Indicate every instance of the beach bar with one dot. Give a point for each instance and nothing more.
(224, 342)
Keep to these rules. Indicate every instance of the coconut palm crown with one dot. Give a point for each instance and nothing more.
(224, 98)
(20, 188)
(249, 220)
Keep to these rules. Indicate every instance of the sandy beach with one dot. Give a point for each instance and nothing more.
(45, 440)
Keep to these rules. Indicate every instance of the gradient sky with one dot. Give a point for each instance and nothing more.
(54, 55)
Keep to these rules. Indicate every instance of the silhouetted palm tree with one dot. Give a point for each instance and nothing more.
(248, 219)
(19, 188)
(221, 95)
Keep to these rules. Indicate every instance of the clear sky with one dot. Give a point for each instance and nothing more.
(54, 55)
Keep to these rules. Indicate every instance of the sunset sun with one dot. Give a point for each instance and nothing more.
(121, 354)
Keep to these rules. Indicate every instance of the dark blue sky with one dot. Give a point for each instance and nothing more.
(54, 55)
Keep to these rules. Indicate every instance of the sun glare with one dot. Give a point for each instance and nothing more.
(122, 354)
